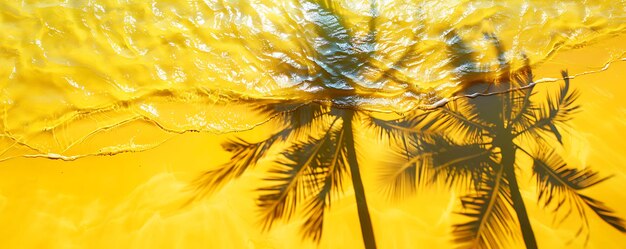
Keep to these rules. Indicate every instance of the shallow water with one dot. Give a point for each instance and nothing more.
(111, 108)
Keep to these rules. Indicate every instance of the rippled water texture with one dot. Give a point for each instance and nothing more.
(82, 81)
(97, 65)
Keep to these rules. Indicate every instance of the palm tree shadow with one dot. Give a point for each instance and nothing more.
(474, 143)
(318, 130)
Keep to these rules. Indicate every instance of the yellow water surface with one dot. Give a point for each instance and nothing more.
(109, 109)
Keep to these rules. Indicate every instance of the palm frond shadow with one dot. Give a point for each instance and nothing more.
(306, 175)
(474, 143)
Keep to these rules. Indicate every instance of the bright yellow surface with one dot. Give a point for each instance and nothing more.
(87, 81)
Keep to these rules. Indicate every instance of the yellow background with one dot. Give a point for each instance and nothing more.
(134, 199)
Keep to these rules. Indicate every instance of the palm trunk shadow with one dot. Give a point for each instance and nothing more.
(367, 230)
(508, 161)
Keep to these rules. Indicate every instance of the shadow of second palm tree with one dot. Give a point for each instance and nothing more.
(476, 143)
